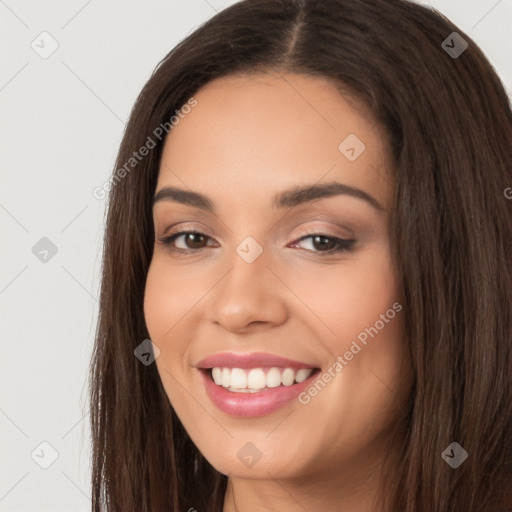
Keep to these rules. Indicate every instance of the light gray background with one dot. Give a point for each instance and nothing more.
(62, 119)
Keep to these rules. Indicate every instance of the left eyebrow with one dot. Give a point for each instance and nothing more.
(304, 194)
(286, 199)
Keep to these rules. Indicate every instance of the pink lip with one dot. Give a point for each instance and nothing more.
(251, 360)
(253, 404)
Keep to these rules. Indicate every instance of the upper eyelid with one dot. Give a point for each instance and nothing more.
(182, 232)
(189, 227)
(185, 231)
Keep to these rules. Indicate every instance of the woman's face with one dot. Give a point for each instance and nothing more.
(265, 273)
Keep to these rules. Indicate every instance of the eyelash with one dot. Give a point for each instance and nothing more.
(342, 244)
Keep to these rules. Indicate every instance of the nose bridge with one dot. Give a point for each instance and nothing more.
(247, 293)
(249, 273)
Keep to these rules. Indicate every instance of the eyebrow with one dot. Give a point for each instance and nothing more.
(285, 199)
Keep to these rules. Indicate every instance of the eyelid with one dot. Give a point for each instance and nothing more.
(188, 227)
(346, 233)
(185, 226)
(342, 245)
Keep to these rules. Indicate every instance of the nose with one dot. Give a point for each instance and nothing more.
(249, 297)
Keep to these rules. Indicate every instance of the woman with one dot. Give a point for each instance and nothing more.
(306, 291)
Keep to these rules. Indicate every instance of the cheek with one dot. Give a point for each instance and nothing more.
(360, 319)
(350, 296)
(169, 296)
(167, 302)
(158, 304)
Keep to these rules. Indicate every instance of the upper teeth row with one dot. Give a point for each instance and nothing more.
(257, 379)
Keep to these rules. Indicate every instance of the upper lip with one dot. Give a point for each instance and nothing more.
(250, 360)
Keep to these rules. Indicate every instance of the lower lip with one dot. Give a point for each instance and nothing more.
(250, 405)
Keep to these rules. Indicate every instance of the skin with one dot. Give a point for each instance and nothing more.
(248, 138)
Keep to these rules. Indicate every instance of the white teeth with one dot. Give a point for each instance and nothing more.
(226, 377)
(238, 378)
(288, 377)
(302, 374)
(274, 378)
(255, 379)
(217, 376)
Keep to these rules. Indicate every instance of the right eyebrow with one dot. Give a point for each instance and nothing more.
(182, 196)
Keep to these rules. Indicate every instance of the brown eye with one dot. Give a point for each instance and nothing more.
(323, 244)
(186, 240)
(194, 240)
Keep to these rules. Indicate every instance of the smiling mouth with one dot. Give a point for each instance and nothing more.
(257, 380)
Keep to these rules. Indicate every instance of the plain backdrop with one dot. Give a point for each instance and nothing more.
(62, 118)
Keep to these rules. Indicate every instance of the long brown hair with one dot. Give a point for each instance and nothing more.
(449, 123)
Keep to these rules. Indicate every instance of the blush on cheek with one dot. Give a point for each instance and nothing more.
(164, 305)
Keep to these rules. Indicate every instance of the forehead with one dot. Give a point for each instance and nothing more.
(264, 132)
